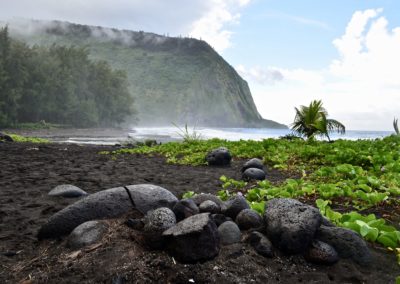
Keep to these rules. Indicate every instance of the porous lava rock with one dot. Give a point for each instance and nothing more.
(219, 157)
(261, 244)
(107, 204)
(253, 174)
(248, 219)
(234, 205)
(155, 223)
(290, 224)
(347, 243)
(185, 208)
(321, 253)
(87, 234)
(229, 233)
(253, 163)
(67, 190)
(210, 206)
(193, 239)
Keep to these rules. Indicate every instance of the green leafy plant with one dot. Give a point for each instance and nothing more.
(188, 194)
(369, 227)
(22, 139)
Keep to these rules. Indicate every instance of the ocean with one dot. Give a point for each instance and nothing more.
(166, 134)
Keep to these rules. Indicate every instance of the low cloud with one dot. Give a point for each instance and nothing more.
(259, 75)
(209, 20)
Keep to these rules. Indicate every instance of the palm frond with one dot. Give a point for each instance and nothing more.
(395, 126)
(334, 125)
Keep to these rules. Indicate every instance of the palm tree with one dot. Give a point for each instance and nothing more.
(312, 120)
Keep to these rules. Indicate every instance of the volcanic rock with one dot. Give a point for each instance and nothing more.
(200, 198)
(87, 234)
(156, 222)
(321, 253)
(193, 239)
(253, 163)
(210, 206)
(106, 204)
(67, 190)
(185, 208)
(347, 243)
(248, 219)
(234, 205)
(219, 157)
(253, 174)
(229, 233)
(290, 224)
(219, 219)
(261, 244)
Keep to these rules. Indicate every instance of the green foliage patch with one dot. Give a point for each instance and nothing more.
(351, 175)
(22, 139)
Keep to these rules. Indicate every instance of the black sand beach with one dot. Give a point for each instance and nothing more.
(29, 171)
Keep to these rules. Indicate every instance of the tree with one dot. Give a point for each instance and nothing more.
(312, 120)
(59, 84)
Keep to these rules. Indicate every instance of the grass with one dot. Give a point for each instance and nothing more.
(22, 139)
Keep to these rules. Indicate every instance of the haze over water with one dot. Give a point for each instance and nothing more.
(165, 134)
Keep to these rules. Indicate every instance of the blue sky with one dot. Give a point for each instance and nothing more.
(345, 52)
(292, 33)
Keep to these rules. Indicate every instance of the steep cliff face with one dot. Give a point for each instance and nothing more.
(179, 80)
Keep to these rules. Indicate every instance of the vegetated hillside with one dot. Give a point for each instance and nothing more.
(180, 80)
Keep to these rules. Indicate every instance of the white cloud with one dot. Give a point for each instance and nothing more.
(299, 20)
(360, 88)
(212, 26)
(210, 20)
(260, 75)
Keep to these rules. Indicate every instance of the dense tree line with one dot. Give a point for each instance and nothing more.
(59, 84)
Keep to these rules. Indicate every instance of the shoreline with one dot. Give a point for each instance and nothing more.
(115, 136)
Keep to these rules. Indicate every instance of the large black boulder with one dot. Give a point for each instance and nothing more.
(290, 224)
(219, 157)
(194, 239)
(347, 243)
(253, 163)
(107, 204)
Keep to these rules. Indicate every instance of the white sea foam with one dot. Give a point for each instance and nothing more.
(166, 134)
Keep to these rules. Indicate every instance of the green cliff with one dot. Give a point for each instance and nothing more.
(180, 80)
